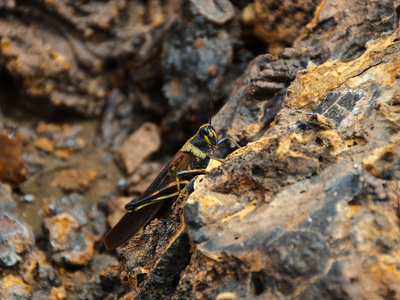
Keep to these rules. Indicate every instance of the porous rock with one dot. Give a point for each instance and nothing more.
(309, 210)
(152, 266)
(338, 31)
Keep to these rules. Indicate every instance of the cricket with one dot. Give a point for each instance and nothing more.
(191, 160)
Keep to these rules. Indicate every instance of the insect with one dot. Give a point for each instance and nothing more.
(190, 161)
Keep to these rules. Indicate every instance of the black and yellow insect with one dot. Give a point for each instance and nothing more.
(189, 162)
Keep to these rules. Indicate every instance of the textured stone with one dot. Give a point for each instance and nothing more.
(12, 167)
(75, 181)
(309, 209)
(13, 287)
(140, 144)
(70, 243)
(16, 238)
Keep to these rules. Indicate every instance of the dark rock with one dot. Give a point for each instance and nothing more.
(296, 257)
(340, 31)
(156, 264)
(273, 23)
(197, 54)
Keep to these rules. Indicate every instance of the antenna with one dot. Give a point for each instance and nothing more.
(211, 95)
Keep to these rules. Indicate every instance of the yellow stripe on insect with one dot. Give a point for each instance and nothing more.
(207, 139)
(157, 200)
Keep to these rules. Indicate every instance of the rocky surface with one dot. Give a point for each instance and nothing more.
(96, 95)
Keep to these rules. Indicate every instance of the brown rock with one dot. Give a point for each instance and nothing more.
(48, 128)
(75, 181)
(143, 177)
(274, 26)
(58, 293)
(340, 31)
(140, 144)
(62, 154)
(12, 167)
(43, 143)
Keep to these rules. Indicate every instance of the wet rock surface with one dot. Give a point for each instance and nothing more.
(96, 96)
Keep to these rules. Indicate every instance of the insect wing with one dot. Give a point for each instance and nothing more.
(129, 224)
(133, 221)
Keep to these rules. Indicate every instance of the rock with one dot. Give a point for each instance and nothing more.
(192, 62)
(60, 140)
(273, 25)
(144, 175)
(34, 263)
(75, 181)
(309, 209)
(153, 264)
(217, 11)
(13, 287)
(140, 144)
(16, 238)
(105, 269)
(7, 203)
(117, 121)
(340, 31)
(12, 167)
(116, 209)
(58, 293)
(71, 244)
(347, 96)
(72, 204)
(44, 144)
(257, 99)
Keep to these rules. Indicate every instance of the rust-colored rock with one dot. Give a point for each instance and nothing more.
(58, 293)
(140, 144)
(75, 181)
(44, 144)
(13, 287)
(12, 168)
